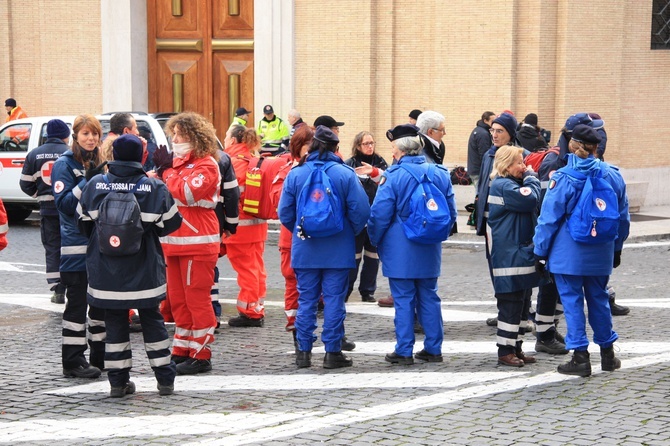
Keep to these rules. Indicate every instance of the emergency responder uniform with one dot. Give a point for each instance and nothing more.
(245, 250)
(322, 264)
(275, 133)
(581, 271)
(512, 217)
(36, 182)
(118, 283)
(68, 180)
(4, 227)
(412, 268)
(16, 112)
(191, 253)
(227, 212)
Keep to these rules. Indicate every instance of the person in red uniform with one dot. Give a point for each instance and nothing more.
(298, 146)
(245, 248)
(191, 173)
(4, 227)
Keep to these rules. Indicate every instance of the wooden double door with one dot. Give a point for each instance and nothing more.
(201, 57)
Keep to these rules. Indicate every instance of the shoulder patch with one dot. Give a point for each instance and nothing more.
(552, 184)
(525, 191)
(382, 180)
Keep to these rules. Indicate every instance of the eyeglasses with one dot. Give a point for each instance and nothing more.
(497, 131)
(442, 130)
(371, 143)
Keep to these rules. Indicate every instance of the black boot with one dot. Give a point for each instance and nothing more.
(295, 341)
(608, 361)
(616, 310)
(303, 359)
(579, 365)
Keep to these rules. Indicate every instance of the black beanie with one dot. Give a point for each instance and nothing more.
(127, 148)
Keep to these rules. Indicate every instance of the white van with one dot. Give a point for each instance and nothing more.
(19, 137)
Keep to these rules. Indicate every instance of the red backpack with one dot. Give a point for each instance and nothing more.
(535, 159)
(259, 177)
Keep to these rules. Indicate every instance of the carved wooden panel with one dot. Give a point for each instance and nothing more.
(233, 19)
(225, 67)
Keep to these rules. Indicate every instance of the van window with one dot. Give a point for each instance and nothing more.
(15, 138)
(43, 133)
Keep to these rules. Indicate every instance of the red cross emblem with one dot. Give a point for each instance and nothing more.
(45, 171)
(317, 195)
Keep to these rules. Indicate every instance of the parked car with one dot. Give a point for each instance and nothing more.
(19, 137)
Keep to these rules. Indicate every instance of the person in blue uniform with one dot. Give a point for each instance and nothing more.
(513, 199)
(322, 264)
(36, 182)
(119, 283)
(581, 271)
(69, 176)
(412, 268)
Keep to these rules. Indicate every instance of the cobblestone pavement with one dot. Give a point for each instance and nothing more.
(255, 394)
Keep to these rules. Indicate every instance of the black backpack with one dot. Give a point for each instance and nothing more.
(459, 176)
(119, 223)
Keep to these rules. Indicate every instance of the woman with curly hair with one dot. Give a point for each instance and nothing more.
(191, 173)
(69, 176)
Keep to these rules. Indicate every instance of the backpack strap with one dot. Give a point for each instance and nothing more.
(406, 168)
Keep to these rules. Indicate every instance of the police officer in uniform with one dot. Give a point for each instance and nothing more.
(274, 133)
(36, 182)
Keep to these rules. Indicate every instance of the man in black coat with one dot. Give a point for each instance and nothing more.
(479, 143)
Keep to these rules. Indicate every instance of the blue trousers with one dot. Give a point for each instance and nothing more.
(573, 291)
(312, 283)
(418, 296)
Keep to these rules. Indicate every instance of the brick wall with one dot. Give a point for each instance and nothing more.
(53, 48)
(369, 63)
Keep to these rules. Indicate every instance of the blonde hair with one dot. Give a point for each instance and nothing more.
(583, 149)
(505, 157)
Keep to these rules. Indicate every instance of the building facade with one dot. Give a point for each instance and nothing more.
(367, 63)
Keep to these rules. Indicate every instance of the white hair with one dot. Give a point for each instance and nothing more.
(410, 145)
(293, 112)
(429, 120)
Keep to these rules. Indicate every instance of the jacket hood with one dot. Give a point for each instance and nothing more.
(586, 166)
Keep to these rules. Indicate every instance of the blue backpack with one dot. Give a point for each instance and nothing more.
(319, 212)
(429, 218)
(595, 218)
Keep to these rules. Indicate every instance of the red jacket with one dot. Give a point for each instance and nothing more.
(250, 229)
(194, 185)
(3, 226)
(285, 236)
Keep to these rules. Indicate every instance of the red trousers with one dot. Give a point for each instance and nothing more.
(247, 260)
(291, 288)
(189, 281)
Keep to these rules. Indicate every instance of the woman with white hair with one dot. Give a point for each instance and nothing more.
(411, 266)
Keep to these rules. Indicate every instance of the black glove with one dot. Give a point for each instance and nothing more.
(541, 265)
(93, 170)
(617, 259)
(162, 159)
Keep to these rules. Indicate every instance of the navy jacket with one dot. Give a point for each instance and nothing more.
(400, 257)
(512, 216)
(552, 239)
(36, 174)
(68, 180)
(479, 143)
(339, 250)
(136, 281)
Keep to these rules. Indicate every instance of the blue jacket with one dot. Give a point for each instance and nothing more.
(481, 203)
(136, 281)
(339, 250)
(400, 257)
(552, 239)
(512, 216)
(68, 180)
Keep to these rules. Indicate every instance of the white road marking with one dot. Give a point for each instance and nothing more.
(245, 427)
(12, 267)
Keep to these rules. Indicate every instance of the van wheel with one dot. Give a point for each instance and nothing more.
(17, 215)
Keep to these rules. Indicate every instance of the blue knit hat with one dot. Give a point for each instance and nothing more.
(127, 147)
(58, 129)
(509, 122)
